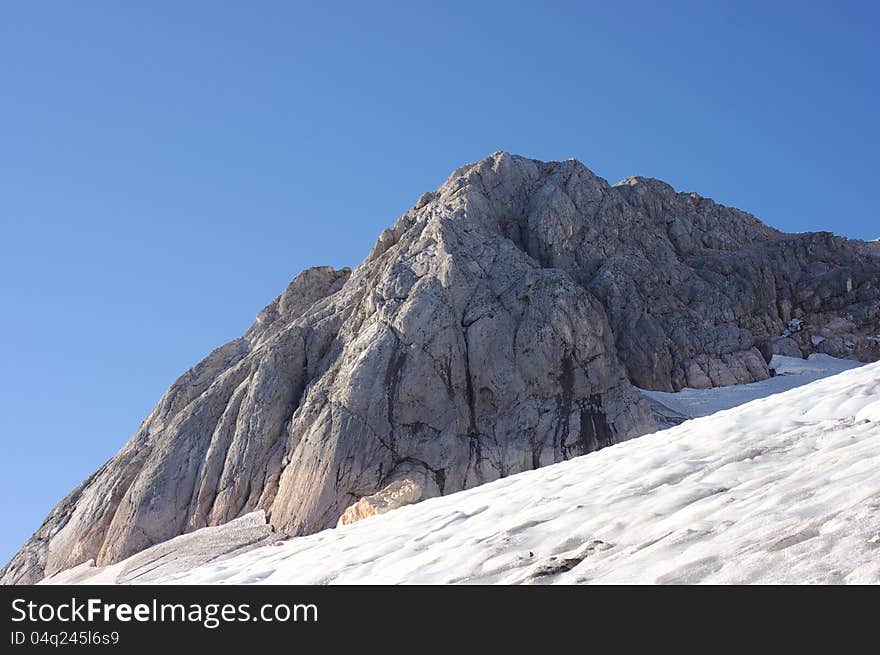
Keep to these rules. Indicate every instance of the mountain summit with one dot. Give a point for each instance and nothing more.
(502, 324)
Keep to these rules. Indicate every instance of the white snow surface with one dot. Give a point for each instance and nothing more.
(791, 372)
(783, 489)
(181, 553)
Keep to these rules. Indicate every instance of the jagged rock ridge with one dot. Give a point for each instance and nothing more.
(499, 326)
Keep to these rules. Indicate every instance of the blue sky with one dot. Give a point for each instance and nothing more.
(167, 167)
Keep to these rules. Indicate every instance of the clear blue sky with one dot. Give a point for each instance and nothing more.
(166, 168)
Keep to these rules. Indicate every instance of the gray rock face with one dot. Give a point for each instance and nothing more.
(499, 326)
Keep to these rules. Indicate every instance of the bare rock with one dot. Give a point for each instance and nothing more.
(497, 327)
(786, 346)
(397, 494)
(557, 564)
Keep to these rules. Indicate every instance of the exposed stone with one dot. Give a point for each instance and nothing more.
(499, 326)
(780, 346)
(557, 564)
(397, 494)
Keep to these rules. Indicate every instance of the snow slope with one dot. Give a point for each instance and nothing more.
(791, 372)
(181, 553)
(782, 489)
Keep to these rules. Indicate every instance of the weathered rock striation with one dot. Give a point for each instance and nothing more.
(499, 326)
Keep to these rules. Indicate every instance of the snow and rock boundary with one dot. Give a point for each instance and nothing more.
(783, 489)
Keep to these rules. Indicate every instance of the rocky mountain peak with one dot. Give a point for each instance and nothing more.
(503, 323)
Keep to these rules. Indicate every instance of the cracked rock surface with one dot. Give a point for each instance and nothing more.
(499, 326)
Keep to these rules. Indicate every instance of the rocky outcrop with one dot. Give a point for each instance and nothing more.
(395, 495)
(499, 326)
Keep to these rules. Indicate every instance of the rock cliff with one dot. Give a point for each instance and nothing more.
(502, 324)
